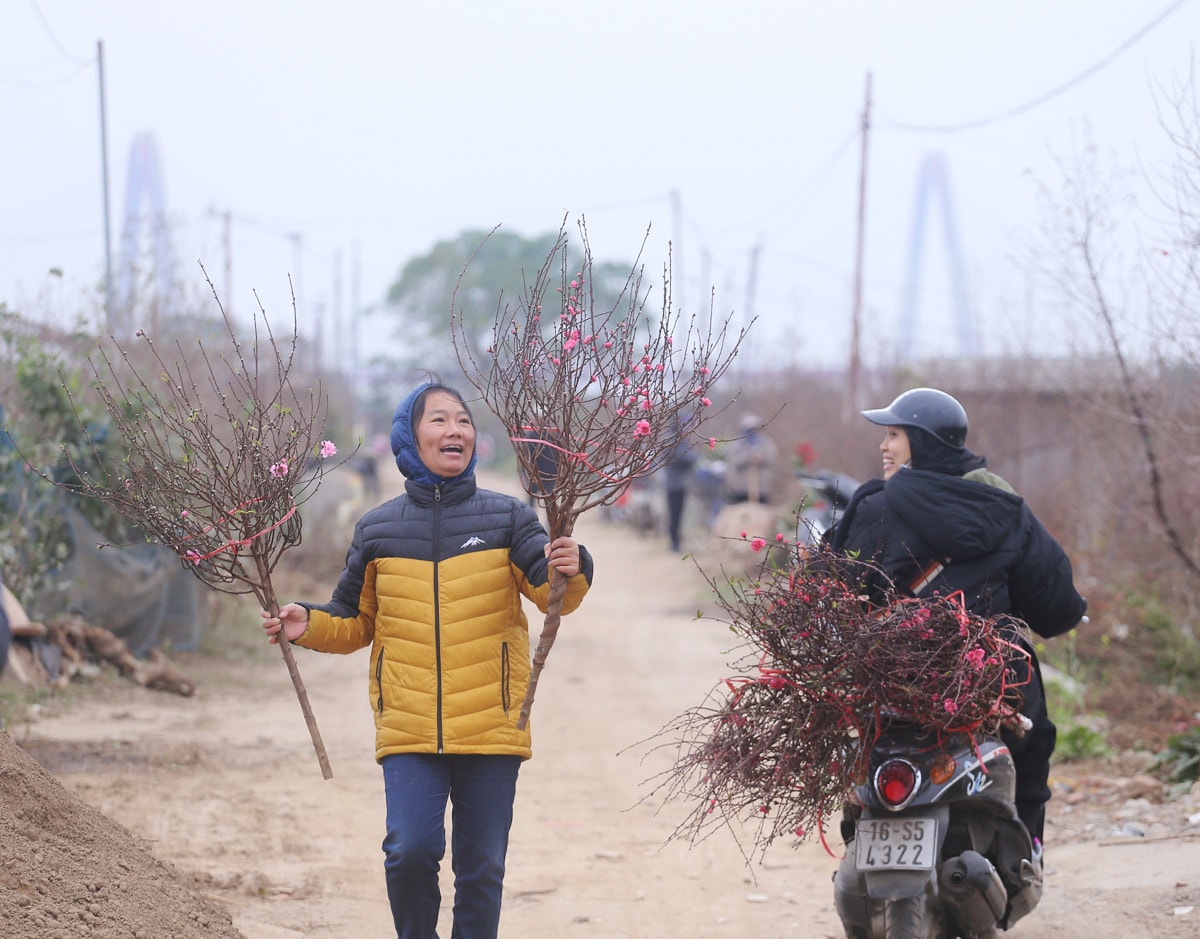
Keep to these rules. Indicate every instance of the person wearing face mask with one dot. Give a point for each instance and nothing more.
(433, 583)
(940, 522)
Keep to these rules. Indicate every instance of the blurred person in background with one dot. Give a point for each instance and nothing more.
(537, 462)
(681, 460)
(752, 464)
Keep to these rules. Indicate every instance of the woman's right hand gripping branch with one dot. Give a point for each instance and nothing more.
(292, 619)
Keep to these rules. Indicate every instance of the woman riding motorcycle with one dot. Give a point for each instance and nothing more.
(939, 522)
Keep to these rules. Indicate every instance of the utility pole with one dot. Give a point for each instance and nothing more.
(678, 287)
(108, 284)
(356, 313)
(227, 237)
(337, 349)
(751, 294)
(752, 282)
(856, 316)
(297, 281)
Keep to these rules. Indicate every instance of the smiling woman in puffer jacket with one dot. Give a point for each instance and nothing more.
(433, 584)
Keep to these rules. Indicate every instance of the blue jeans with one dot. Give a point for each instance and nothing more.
(481, 790)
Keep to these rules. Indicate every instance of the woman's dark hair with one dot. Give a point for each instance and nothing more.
(418, 407)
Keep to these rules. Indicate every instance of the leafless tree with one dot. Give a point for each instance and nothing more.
(1134, 275)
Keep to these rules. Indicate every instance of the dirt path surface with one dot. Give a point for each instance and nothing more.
(225, 788)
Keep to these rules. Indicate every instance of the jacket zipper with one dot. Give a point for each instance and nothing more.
(504, 676)
(437, 607)
(379, 679)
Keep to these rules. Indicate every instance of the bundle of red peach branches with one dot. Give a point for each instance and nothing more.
(594, 384)
(785, 741)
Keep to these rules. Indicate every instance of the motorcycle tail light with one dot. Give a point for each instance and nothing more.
(895, 781)
(942, 769)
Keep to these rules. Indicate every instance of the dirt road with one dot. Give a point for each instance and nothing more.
(226, 785)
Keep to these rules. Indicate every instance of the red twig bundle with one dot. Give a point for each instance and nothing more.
(787, 738)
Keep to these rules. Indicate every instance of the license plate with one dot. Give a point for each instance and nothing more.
(883, 844)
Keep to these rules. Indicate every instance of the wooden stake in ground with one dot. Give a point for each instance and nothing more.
(223, 450)
(588, 375)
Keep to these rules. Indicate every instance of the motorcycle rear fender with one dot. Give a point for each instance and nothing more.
(895, 885)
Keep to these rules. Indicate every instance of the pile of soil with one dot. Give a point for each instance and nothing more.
(67, 870)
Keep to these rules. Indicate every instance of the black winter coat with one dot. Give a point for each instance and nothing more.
(993, 547)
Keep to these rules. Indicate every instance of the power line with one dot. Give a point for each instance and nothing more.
(67, 54)
(50, 83)
(1054, 92)
(811, 187)
(791, 205)
(81, 65)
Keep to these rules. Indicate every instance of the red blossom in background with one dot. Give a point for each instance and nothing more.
(806, 453)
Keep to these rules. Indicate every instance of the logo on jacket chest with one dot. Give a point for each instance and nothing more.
(473, 542)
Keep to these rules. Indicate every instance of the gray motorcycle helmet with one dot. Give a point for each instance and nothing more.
(931, 410)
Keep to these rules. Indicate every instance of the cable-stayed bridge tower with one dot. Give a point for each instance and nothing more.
(145, 212)
(933, 184)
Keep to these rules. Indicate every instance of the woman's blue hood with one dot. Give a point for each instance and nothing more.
(404, 443)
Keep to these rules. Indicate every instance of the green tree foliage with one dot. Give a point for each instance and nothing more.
(44, 416)
(53, 426)
(493, 269)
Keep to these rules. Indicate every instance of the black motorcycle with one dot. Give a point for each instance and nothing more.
(935, 849)
(827, 494)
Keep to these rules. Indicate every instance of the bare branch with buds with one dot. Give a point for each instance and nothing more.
(603, 396)
(223, 450)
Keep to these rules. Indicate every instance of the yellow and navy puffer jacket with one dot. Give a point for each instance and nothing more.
(433, 584)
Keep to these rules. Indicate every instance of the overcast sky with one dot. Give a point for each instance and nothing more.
(344, 138)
